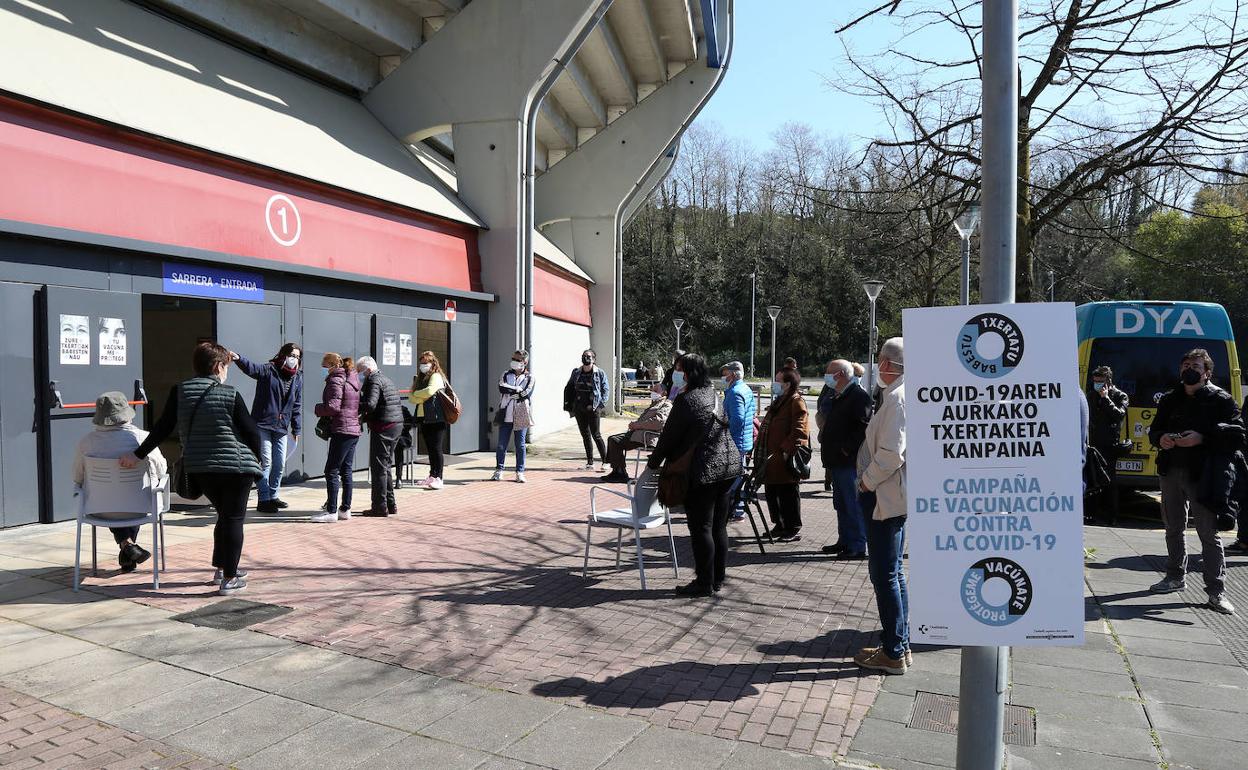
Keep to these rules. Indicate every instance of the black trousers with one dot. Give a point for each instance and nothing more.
(785, 506)
(122, 534)
(706, 512)
(1106, 501)
(228, 493)
(590, 425)
(618, 447)
(380, 460)
(434, 433)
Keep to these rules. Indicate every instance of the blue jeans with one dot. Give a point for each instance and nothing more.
(505, 431)
(272, 463)
(851, 527)
(339, 469)
(885, 541)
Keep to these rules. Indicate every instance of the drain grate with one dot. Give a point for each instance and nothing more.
(939, 714)
(232, 614)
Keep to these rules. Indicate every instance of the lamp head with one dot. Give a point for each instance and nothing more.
(773, 311)
(679, 322)
(873, 289)
(966, 222)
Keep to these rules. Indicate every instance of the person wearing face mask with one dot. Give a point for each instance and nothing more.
(584, 398)
(340, 402)
(786, 426)
(651, 420)
(425, 387)
(1107, 406)
(669, 386)
(739, 408)
(843, 423)
(1193, 421)
(221, 444)
(381, 409)
(278, 409)
(514, 416)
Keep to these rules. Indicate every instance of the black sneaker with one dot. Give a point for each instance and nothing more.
(280, 503)
(622, 478)
(851, 556)
(375, 512)
(267, 506)
(1239, 546)
(694, 589)
(790, 537)
(834, 548)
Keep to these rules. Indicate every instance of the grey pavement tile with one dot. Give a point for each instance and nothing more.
(892, 707)
(891, 739)
(349, 683)
(575, 739)
(173, 638)
(417, 702)
(938, 662)
(1176, 650)
(66, 617)
(36, 652)
(417, 751)
(1075, 658)
(1187, 630)
(179, 709)
(749, 756)
(1127, 741)
(30, 608)
(1209, 723)
(285, 668)
(506, 763)
(1188, 670)
(12, 632)
(493, 721)
(918, 679)
(57, 675)
(1200, 753)
(1050, 703)
(142, 683)
(250, 728)
(1200, 694)
(1049, 757)
(871, 760)
(116, 630)
(663, 747)
(1114, 685)
(245, 647)
(341, 740)
(14, 592)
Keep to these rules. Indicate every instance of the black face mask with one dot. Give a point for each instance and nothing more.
(1189, 376)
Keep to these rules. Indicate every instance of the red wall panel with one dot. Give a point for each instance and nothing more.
(559, 297)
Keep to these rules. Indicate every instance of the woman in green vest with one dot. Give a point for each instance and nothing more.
(220, 447)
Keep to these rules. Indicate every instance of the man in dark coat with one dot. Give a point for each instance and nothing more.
(381, 409)
(1107, 407)
(842, 427)
(1194, 419)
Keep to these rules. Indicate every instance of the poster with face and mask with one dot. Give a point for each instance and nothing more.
(389, 349)
(75, 340)
(405, 350)
(112, 341)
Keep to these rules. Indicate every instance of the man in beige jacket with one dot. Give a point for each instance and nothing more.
(882, 496)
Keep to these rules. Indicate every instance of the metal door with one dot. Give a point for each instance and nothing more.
(94, 344)
(19, 412)
(466, 366)
(328, 331)
(253, 330)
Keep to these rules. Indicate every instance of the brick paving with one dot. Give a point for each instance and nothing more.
(34, 733)
(481, 582)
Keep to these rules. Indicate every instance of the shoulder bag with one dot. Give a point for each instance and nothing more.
(183, 485)
(674, 479)
(451, 407)
(799, 462)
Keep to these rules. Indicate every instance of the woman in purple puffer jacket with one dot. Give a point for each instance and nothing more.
(340, 402)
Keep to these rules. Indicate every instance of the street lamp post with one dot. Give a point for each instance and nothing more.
(753, 329)
(965, 222)
(678, 322)
(773, 311)
(1052, 286)
(873, 289)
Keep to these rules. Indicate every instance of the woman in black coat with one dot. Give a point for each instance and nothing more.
(695, 427)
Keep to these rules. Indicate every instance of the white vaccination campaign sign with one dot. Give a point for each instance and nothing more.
(994, 475)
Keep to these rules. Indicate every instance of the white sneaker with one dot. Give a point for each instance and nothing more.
(602, 468)
(218, 575)
(425, 481)
(324, 518)
(588, 466)
(232, 586)
(435, 484)
(344, 514)
(498, 475)
(520, 477)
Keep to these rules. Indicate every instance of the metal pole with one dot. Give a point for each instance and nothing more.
(753, 328)
(871, 351)
(981, 689)
(1052, 286)
(678, 338)
(966, 271)
(773, 347)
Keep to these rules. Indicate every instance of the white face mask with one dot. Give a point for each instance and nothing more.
(424, 368)
(517, 366)
(291, 363)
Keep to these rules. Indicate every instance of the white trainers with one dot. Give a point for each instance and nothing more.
(520, 477)
(602, 468)
(435, 484)
(425, 481)
(344, 514)
(218, 575)
(324, 518)
(589, 466)
(232, 586)
(498, 475)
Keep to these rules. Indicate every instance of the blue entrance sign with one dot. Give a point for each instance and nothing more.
(203, 281)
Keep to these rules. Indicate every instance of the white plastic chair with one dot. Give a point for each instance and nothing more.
(113, 496)
(644, 512)
(649, 438)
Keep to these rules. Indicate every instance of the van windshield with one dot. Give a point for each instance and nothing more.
(1145, 368)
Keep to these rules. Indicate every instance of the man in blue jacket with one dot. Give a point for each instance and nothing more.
(739, 408)
(278, 411)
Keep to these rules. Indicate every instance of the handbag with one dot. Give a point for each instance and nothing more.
(451, 407)
(799, 462)
(674, 479)
(183, 484)
(521, 415)
(323, 426)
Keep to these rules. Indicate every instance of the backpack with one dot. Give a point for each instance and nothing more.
(451, 406)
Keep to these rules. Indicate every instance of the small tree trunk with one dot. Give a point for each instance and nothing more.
(1024, 285)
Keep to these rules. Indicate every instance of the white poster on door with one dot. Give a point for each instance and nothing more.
(75, 340)
(389, 349)
(994, 477)
(111, 336)
(405, 349)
